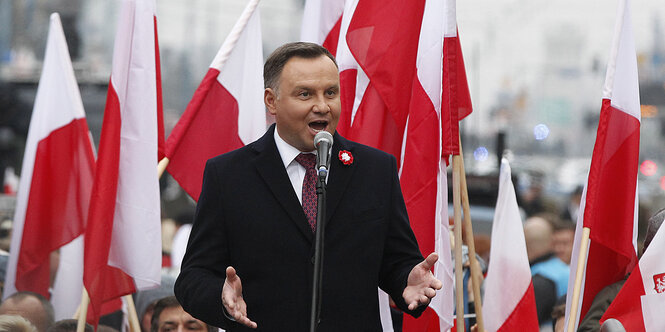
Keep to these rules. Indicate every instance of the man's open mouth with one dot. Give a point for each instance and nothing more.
(318, 125)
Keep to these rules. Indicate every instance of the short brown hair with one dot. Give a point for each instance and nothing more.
(164, 303)
(272, 69)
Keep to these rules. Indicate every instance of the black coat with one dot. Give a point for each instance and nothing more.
(249, 217)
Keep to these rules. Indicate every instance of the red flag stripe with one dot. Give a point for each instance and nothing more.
(523, 315)
(212, 111)
(610, 204)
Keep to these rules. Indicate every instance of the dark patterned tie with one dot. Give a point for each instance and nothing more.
(309, 200)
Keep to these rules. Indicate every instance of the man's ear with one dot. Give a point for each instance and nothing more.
(270, 99)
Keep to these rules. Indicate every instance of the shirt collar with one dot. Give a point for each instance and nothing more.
(286, 150)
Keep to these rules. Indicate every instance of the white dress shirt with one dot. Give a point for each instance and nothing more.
(295, 171)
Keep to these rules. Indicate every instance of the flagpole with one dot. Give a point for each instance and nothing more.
(161, 167)
(459, 284)
(581, 262)
(475, 267)
(134, 325)
(83, 311)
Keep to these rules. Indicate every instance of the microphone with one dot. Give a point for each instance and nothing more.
(323, 142)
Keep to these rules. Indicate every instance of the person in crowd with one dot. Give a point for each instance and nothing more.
(563, 239)
(169, 316)
(31, 306)
(146, 300)
(569, 211)
(559, 315)
(69, 325)
(549, 273)
(604, 298)
(249, 261)
(15, 323)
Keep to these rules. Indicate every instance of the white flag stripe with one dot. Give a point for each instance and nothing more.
(242, 76)
(319, 17)
(621, 82)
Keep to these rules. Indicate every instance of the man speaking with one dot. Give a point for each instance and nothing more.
(249, 261)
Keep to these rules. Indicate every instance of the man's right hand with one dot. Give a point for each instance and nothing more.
(232, 298)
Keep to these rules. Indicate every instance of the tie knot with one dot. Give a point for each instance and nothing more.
(307, 160)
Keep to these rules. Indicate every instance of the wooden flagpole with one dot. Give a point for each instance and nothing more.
(459, 283)
(474, 266)
(82, 311)
(577, 289)
(161, 167)
(134, 325)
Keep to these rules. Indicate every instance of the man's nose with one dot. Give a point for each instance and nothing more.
(321, 105)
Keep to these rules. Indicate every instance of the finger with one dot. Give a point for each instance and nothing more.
(430, 293)
(244, 320)
(430, 260)
(437, 284)
(230, 273)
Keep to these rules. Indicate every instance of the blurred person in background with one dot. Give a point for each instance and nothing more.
(69, 325)
(169, 315)
(147, 299)
(563, 239)
(31, 306)
(14, 323)
(569, 212)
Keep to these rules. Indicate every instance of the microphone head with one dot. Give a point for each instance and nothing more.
(323, 136)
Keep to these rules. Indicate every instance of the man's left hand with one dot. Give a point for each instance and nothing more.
(421, 285)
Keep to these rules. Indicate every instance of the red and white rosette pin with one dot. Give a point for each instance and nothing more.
(345, 157)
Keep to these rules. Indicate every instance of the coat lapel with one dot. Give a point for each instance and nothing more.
(340, 175)
(269, 165)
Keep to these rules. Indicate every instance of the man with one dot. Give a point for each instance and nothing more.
(169, 316)
(563, 239)
(31, 306)
(250, 221)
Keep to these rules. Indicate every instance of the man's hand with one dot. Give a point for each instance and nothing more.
(232, 298)
(421, 285)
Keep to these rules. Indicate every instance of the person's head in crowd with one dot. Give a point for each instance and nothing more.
(146, 300)
(31, 306)
(15, 323)
(302, 91)
(612, 325)
(652, 227)
(538, 237)
(562, 240)
(68, 325)
(169, 316)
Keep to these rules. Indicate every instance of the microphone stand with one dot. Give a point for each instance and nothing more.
(318, 251)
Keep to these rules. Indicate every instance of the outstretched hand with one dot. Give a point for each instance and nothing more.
(421, 285)
(232, 298)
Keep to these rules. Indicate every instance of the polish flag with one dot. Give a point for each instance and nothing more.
(10, 181)
(609, 201)
(123, 235)
(321, 23)
(58, 171)
(509, 303)
(226, 111)
(391, 59)
(639, 305)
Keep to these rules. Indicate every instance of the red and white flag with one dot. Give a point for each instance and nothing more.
(123, 235)
(609, 201)
(393, 65)
(639, 305)
(509, 303)
(226, 111)
(10, 181)
(58, 170)
(321, 23)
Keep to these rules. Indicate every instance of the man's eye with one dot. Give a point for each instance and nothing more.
(304, 94)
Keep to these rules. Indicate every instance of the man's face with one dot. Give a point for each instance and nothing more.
(175, 319)
(29, 308)
(562, 244)
(306, 101)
